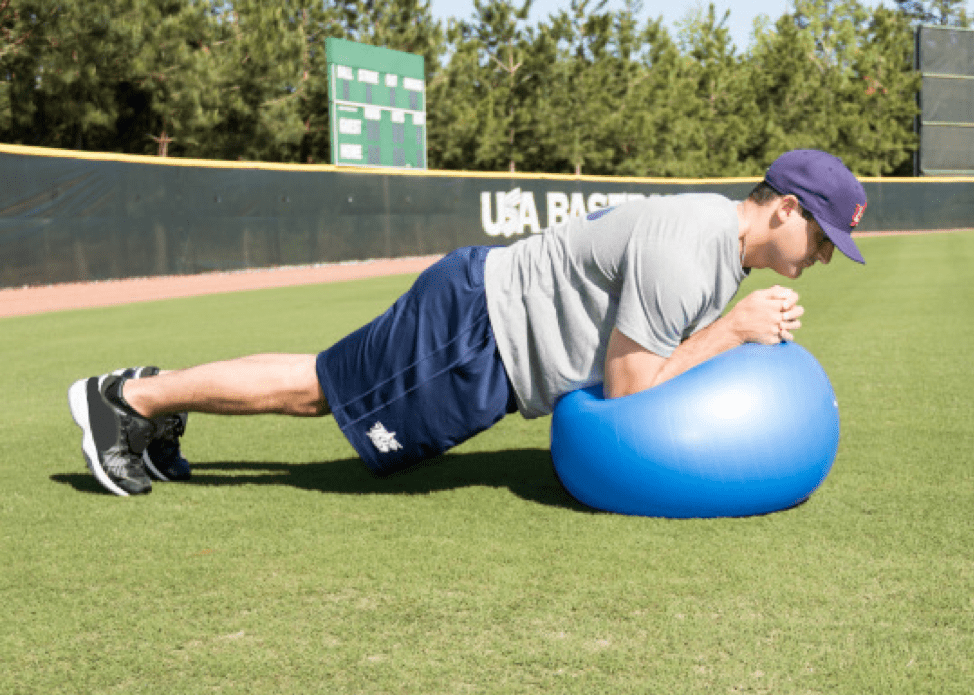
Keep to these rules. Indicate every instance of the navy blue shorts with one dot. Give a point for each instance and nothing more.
(425, 375)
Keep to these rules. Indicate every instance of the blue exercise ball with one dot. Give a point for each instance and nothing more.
(753, 430)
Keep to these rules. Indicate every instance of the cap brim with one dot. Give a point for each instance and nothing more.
(843, 241)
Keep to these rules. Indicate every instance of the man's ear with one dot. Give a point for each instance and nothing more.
(785, 207)
(790, 204)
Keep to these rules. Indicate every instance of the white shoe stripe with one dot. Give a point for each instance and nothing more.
(78, 403)
(155, 471)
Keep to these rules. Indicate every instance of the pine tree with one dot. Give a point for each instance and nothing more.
(886, 95)
(107, 76)
(501, 88)
(587, 91)
(69, 88)
(25, 34)
(723, 108)
(798, 73)
(582, 89)
(453, 94)
(264, 65)
(660, 134)
(942, 12)
(818, 80)
(22, 24)
(164, 100)
(627, 111)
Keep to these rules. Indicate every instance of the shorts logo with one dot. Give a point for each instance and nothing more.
(858, 214)
(382, 439)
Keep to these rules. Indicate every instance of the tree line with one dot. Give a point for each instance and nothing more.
(586, 90)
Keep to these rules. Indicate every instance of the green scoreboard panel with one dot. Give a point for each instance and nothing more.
(377, 106)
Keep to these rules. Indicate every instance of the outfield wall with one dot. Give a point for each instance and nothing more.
(71, 216)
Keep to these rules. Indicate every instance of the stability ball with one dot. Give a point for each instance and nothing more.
(753, 430)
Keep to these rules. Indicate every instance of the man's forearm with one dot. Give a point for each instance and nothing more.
(764, 316)
(709, 342)
(631, 368)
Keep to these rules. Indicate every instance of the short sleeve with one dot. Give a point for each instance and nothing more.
(664, 291)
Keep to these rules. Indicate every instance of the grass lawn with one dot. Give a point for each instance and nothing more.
(285, 567)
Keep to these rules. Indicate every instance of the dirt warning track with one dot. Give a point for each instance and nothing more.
(35, 300)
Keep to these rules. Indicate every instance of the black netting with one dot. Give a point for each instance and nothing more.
(946, 51)
(67, 219)
(947, 149)
(948, 100)
(946, 60)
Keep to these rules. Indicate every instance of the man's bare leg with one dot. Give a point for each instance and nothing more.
(258, 384)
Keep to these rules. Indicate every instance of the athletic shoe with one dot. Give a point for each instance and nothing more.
(162, 456)
(113, 435)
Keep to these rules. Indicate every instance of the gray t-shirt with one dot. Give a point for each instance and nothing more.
(658, 269)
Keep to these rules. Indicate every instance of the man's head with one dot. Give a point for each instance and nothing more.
(826, 189)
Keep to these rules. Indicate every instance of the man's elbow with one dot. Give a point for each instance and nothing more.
(629, 367)
(619, 388)
(613, 390)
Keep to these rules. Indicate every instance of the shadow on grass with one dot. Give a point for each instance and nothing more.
(528, 473)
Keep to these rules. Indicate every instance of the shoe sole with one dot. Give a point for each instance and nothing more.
(78, 403)
(155, 472)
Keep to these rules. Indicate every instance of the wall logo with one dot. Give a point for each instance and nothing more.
(515, 212)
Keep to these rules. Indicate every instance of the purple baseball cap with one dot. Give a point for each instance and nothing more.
(827, 189)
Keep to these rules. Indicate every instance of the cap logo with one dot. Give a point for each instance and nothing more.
(857, 216)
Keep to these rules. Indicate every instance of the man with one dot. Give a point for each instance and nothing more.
(630, 296)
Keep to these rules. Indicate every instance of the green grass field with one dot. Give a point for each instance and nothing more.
(285, 567)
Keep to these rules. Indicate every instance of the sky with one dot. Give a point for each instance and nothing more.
(742, 12)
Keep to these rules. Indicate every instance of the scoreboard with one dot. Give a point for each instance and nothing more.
(376, 106)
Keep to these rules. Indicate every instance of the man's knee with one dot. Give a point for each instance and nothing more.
(308, 399)
(317, 405)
